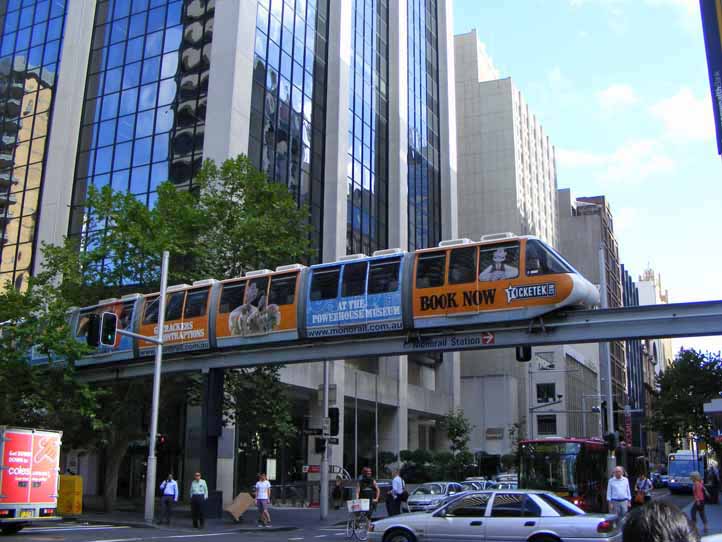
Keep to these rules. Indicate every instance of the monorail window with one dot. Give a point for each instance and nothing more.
(430, 269)
(174, 306)
(283, 290)
(150, 315)
(232, 297)
(256, 293)
(125, 320)
(196, 304)
(324, 284)
(541, 260)
(354, 279)
(499, 262)
(384, 277)
(83, 321)
(462, 265)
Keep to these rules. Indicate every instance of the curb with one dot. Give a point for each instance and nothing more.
(111, 521)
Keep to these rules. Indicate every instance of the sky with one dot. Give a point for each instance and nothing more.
(621, 89)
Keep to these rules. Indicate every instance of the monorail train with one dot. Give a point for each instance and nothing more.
(501, 278)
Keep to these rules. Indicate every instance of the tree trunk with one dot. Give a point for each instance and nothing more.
(114, 458)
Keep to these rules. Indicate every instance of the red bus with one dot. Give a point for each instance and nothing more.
(574, 468)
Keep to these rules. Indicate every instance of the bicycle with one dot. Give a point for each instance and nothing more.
(359, 519)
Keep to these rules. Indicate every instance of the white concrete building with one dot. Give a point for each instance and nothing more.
(350, 103)
(660, 351)
(507, 182)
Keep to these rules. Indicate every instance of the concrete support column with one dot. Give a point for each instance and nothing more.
(393, 425)
(228, 115)
(447, 120)
(448, 378)
(398, 126)
(337, 105)
(65, 127)
(211, 430)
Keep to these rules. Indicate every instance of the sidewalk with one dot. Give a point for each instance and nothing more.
(283, 519)
(714, 517)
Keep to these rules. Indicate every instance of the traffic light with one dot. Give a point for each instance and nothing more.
(612, 440)
(320, 445)
(160, 440)
(523, 353)
(102, 329)
(333, 414)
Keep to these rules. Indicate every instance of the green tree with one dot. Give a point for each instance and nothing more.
(693, 379)
(234, 221)
(48, 395)
(458, 429)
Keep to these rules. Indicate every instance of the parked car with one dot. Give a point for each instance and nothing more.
(431, 495)
(500, 515)
(482, 483)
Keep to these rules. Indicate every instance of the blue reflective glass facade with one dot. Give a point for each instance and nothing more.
(145, 98)
(367, 162)
(30, 44)
(288, 100)
(424, 142)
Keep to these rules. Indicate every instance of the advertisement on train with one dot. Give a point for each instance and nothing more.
(28, 476)
(257, 310)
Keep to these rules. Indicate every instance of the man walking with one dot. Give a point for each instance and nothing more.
(618, 494)
(199, 496)
(398, 488)
(169, 487)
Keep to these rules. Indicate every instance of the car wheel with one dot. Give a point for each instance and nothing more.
(399, 535)
(544, 538)
(11, 529)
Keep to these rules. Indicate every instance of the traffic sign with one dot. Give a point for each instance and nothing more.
(332, 440)
(487, 337)
(326, 427)
(312, 432)
(311, 469)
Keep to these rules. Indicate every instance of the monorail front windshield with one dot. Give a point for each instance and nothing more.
(560, 466)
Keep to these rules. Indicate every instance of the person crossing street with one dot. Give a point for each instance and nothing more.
(618, 494)
(199, 496)
(169, 487)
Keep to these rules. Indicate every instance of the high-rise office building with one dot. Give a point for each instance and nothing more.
(350, 104)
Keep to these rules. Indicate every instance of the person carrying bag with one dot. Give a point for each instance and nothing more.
(643, 490)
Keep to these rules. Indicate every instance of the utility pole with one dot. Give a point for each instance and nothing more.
(604, 356)
(324, 436)
(150, 476)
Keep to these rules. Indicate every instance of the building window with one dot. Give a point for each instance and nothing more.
(143, 120)
(367, 158)
(288, 100)
(545, 393)
(423, 155)
(546, 424)
(30, 51)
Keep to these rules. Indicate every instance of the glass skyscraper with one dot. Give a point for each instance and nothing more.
(288, 99)
(144, 109)
(424, 175)
(30, 44)
(367, 166)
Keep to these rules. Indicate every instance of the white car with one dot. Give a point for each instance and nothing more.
(510, 515)
(431, 495)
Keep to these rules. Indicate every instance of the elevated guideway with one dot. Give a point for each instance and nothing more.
(567, 327)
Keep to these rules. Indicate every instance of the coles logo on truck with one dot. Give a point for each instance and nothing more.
(31, 467)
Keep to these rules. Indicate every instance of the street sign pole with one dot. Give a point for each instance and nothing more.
(150, 475)
(324, 456)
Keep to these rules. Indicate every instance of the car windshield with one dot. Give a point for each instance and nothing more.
(429, 489)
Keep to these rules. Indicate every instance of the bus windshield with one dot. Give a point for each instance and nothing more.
(684, 467)
(549, 465)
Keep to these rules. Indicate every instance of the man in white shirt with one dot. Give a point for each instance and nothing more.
(169, 487)
(397, 490)
(263, 500)
(618, 494)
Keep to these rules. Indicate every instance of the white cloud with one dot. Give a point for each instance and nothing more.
(685, 117)
(616, 97)
(633, 162)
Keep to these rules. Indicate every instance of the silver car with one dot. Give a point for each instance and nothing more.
(510, 515)
(430, 496)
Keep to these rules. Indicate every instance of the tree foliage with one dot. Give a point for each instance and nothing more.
(694, 378)
(458, 429)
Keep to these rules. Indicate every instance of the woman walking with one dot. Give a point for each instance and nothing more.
(643, 489)
(698, 492)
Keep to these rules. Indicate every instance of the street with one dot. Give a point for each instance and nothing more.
(308, 529)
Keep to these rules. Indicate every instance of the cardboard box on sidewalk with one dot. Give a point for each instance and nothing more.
(240, 504)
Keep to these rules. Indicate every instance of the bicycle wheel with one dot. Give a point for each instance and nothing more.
(350, 527)
(362, 528)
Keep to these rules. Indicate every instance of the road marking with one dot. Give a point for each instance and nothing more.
(298, 538)
(321, 535)
(74, 528)
(199, 535)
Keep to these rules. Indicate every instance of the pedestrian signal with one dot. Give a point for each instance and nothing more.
(320, 447)
(333, 414)
(102, 329)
